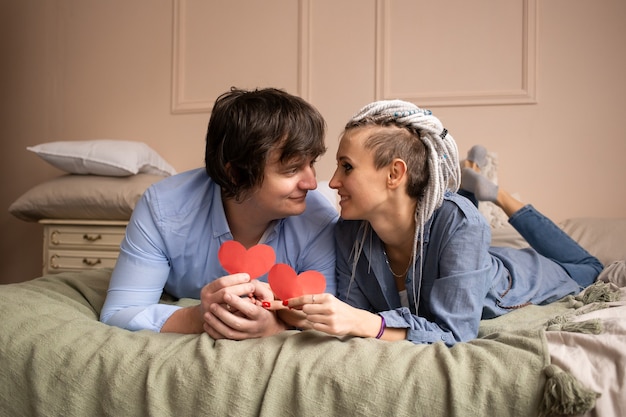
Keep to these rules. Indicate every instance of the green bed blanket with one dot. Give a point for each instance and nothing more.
(57, 359)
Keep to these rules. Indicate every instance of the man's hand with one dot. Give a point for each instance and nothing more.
(231, 308)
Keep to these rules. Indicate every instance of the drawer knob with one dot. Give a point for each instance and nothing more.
(53, 262)
(92, 238)
(90, 262)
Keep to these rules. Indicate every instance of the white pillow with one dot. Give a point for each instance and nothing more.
(115, 158)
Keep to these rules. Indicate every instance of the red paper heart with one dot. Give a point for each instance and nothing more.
(256, 261)
(285, 284)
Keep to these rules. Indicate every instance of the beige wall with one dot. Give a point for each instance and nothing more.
(541, 83)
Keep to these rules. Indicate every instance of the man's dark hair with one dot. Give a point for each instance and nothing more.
(246, 125)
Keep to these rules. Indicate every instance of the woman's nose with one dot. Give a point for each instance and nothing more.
(334, 182)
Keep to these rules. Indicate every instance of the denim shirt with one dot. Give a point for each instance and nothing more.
(173, 237)
(463, 279)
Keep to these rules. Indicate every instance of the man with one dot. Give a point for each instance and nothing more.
(256, 187)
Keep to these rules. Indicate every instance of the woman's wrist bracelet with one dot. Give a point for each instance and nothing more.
(382, 327)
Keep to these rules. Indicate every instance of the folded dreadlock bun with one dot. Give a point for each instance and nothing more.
(442, 151)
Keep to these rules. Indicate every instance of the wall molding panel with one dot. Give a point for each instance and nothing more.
(504, 69)
(202, 43)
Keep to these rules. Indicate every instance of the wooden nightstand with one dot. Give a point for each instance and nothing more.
(76, 245)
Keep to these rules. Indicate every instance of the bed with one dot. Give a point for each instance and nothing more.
(569, 357)
(57, 359)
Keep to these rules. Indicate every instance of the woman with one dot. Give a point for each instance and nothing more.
(413, 256)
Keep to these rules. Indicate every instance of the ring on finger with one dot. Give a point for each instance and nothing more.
(313, 299)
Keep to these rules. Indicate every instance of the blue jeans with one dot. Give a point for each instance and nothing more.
(550, 241)
(553, 243)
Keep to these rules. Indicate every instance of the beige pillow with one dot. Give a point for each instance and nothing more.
(615, 273)
(604, 238)
(83, 197)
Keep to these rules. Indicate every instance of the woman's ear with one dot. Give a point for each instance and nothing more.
(397, 173)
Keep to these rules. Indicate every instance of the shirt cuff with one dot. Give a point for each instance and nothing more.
(144, 318)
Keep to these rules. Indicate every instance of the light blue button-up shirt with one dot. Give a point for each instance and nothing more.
(173, 237)
(463, 279)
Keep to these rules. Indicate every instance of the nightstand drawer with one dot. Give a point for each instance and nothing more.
(84, 237)
(75, 245)
(67, 260)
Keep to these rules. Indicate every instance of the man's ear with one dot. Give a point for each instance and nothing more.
(230, 171)
(397, 173)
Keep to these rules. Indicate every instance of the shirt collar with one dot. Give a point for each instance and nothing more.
(219, 224)
(220, 227)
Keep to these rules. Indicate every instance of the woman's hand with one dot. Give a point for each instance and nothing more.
(326, 313)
